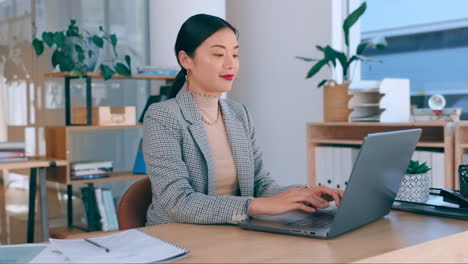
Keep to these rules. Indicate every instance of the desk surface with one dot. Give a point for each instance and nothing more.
(221, 243)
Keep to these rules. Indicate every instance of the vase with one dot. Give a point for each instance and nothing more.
(89, 62)
(335, 102)
(414, 188)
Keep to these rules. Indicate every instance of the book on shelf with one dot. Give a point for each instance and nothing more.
(110, 209)
(12, 145)
(93, 217)
(13, 159)
(89, 177)
(156, 70)
(83, 165)
(104, 214)
(12, 154)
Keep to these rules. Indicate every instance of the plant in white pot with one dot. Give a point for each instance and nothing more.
(336, 95)
(416, 183)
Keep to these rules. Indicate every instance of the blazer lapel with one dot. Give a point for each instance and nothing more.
(241, 150)
(190, 112)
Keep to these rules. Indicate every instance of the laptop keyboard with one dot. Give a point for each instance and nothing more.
(319, 219)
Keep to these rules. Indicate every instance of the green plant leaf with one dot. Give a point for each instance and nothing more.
(330, 54)
(319, 47)
(128, 60)
(306, 59)
(73, 30)
(64, 61)
(317, 67)
(80, 52)
(38, 46)
(98, 41)
(352, 19)
(121, 69)
(415, 168)
(59, 39)
(113, 39)
(361, 48)
(48, 38)
(90, 53)
(320, 84)
(380, 46)
(101, 28)
(107, 71)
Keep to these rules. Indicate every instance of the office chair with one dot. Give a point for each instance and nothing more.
(134, 204)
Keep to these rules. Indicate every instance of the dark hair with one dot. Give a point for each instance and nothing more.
(192, 33)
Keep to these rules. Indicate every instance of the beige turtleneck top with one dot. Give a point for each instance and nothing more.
(226, 173)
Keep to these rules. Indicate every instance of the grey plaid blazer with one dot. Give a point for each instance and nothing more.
(181, 170)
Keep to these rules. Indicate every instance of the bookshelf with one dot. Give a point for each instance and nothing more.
(435, 135)
(58, 140)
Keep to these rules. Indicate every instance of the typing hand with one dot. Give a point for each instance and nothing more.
(327, 193)
(304, 199)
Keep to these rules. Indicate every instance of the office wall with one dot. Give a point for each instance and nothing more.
(166, 18)
(271, 81)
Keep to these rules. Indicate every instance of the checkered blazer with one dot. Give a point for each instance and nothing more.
(181, 169)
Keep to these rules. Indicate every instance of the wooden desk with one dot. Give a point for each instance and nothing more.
(37, 167)
(221, 243)
(450, 249)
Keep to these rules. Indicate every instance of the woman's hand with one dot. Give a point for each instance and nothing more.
(307, 199)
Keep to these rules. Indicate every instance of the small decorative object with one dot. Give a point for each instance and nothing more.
(336, 110)
(77, 51)
(436, 111)
(416, 183)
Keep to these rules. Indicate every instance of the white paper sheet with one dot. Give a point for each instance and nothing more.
(132, 246)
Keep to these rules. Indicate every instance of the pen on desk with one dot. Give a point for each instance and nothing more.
(96, 244)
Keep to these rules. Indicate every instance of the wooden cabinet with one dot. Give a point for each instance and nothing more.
(435, 135)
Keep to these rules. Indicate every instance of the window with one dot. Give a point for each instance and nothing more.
(427, 43)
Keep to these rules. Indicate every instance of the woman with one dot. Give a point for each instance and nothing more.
(201, 152)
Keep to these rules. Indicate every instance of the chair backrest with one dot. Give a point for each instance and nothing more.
(134, 205)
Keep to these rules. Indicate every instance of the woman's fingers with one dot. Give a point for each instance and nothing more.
(303, 207)
(312, 199)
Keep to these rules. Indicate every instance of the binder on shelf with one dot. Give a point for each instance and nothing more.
(139, 167)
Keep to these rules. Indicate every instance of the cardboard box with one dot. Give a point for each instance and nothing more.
(107, 115)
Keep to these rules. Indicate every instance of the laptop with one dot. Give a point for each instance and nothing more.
(373, 184)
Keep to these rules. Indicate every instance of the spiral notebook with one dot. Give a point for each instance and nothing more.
(131, 246)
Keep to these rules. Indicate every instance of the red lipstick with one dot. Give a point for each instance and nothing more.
(228, 77)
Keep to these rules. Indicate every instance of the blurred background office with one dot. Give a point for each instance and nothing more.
(427, 43)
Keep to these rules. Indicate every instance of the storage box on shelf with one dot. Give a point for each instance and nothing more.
(438, 137)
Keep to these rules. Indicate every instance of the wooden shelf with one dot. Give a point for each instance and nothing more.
(115, 76)
(87, 128)
(33, 162)
(116, 176)
(438, 135)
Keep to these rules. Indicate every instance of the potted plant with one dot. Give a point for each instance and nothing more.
(336, 95)
(77, 51)
(416, 183)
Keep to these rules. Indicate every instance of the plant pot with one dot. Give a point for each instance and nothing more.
(335, 102)
(414, 188)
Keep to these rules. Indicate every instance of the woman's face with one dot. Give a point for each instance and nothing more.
(215, 63)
